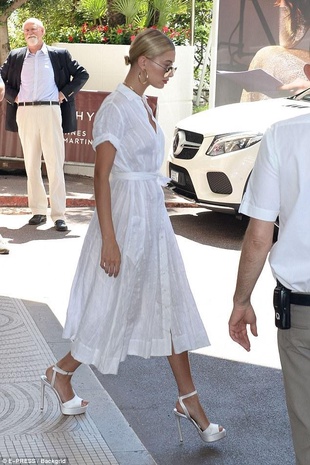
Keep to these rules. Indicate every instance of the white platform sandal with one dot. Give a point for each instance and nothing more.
(71, 407)
(210, 434)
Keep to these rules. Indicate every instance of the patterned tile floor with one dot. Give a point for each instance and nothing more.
(26, 432)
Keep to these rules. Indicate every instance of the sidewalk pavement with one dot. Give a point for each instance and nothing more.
(30, 340)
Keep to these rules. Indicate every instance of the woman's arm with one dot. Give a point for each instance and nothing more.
(298, 85)
(110, 253)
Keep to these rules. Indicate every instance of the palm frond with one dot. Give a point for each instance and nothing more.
(163, 9)
(94, 9)
(131, 9)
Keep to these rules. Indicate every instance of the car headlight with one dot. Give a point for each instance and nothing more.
(232, 142)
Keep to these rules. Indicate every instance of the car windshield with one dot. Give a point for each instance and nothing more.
(304, 95)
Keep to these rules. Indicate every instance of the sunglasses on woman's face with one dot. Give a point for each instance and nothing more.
(169, 70)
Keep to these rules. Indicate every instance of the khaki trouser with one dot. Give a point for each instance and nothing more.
(294, 348)
(40, 132)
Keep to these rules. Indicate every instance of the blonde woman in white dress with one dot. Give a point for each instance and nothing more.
(130, 294)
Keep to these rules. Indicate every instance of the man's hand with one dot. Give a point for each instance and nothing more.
(239, 319)
(61, 97)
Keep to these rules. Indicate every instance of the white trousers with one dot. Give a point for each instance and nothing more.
(294, 348)
(40, 132)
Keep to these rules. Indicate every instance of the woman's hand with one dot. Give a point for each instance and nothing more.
(110, 258)
(296, 86)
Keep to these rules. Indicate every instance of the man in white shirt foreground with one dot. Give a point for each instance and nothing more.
(280, 187)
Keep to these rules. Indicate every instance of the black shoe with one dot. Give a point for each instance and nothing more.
(4, 250)
(37, 219)
(60, 225)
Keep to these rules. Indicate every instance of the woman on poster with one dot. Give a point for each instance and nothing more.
(286, 61)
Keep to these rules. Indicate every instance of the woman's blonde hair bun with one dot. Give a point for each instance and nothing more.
(127, 60)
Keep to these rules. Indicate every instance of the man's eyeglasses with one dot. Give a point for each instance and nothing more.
(169, 70)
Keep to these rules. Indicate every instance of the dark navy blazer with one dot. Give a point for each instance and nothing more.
(69, 75)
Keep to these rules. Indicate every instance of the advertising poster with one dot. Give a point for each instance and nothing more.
(261, 46)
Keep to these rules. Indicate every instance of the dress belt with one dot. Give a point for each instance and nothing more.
(38, 102)
(140, 176)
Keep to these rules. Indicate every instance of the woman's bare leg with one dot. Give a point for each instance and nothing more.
(180, 366)
(63, 382)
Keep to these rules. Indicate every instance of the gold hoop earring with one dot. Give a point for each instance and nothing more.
(146, 77)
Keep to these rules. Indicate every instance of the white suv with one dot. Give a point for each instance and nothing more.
(214, 151)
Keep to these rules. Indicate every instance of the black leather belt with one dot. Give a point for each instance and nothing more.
(39, 102)
(297, 298)
(300, 299)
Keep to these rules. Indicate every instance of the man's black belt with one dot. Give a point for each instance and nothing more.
(300, 299)
(297, 298)
(39, 102)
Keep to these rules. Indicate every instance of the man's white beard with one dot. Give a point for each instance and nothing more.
(32, 41)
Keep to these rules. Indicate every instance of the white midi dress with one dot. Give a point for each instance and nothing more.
(149, 306)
